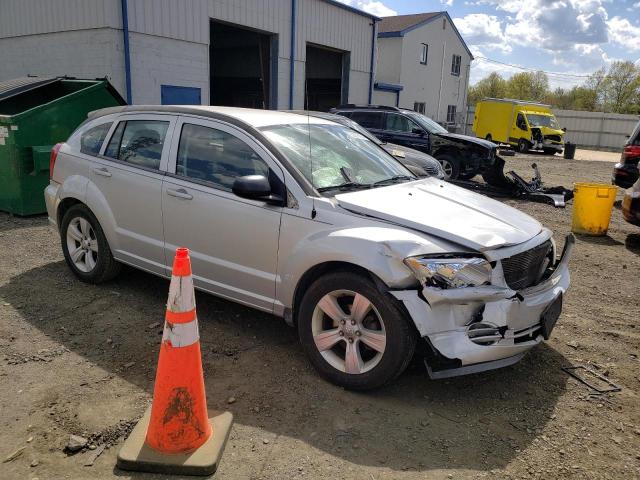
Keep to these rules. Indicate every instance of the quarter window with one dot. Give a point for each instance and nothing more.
(138, 142)
(91, 140)
(214, 156)
(451, 114)
(424, 53)
(455, 65)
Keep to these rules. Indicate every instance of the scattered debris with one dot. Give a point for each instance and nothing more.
(75, 443)
(34, 463)
(129, 365)
(94, 455)
(153, 325)
(12, 456)
(499, 184)
(573, 344)
(43, 355)
(572, 371)
(231, 400)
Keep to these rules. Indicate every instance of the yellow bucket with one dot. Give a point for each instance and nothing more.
(592, 206)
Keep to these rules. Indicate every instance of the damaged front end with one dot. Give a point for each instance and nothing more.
(483, 312)
(547, 139)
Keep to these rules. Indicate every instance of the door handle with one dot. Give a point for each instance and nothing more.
(103, 172)
(179, 193)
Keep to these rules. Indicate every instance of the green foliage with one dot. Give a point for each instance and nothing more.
(614, 90)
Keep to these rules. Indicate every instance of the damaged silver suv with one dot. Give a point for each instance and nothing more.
(309, 220)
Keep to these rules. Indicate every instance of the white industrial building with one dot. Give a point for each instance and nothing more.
(253, 53)
(423, 64)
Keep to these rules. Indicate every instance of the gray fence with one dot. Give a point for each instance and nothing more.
(596, 130)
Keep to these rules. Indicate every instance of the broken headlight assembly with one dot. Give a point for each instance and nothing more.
(450, 272)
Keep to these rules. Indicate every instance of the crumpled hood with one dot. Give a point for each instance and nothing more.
(452, 213)
(468, 139)
(550, 131)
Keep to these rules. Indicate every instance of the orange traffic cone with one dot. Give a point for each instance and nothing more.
(177, 435)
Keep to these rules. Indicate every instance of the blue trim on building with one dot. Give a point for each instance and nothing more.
(127, 59)
(352, 9)
(402, 33)
(388, 87)
(372, 67)
(292, 52)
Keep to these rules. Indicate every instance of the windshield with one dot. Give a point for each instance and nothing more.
(542, 120)
(426, 123)
(340, 157)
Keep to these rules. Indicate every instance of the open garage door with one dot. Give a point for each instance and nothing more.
(326, 78)
(242, 66)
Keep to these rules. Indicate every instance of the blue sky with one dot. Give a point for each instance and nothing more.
(570, 37)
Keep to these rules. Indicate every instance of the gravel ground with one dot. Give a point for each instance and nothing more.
(80, 359)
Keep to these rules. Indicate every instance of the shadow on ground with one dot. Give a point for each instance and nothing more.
(633, 243)
(474, 422)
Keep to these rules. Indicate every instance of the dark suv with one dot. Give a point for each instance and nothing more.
(461, 156)
(626, 172)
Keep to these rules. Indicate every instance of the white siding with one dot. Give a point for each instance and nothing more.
(155, 23)
(432, 83)
(381, 97)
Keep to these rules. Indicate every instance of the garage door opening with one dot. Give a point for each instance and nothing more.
(327, 78)
(242, 67)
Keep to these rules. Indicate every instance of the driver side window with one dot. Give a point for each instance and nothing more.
(217, 157)
(520, 122)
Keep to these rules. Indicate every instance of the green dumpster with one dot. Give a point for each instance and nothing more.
(35, 114)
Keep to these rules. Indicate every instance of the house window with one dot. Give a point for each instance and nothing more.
(419, 107)
(455, 65)
(451, 114)
(423, 53)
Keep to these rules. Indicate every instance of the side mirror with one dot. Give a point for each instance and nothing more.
(564, 129)
(417, 131)
(256, 187)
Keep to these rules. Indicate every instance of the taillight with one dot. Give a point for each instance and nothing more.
(53, 157)
(630, 155)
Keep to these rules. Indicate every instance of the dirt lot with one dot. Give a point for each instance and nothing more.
(81, 359)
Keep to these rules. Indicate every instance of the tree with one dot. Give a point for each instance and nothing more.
(621, 88)
(492, 86)
(528, 86)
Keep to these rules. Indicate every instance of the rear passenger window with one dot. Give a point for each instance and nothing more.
(215, 156)
(138, 142)
(368, 119)
(91, 140)
(398, 123)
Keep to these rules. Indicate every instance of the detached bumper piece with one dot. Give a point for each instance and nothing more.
(511, 185)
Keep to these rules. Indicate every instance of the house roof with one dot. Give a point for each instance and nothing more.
(403, 22)
(400, 25)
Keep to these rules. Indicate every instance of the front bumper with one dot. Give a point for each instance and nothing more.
(443, 317)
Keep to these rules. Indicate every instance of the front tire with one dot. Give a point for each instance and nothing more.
(354, 334)
(85, 246)
(450, 165)
(523, 145)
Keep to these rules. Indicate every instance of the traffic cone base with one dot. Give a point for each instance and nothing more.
(137, 455)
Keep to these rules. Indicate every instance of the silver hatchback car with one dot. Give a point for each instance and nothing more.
(309, 220)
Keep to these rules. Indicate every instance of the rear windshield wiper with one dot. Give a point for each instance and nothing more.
(395, 179)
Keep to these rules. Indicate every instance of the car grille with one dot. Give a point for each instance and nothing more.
(526, 268)
(553, 138)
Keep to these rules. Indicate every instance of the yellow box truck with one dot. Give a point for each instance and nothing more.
(524, 125)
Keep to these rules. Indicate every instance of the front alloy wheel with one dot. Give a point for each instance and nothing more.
(348, 331)
(355, 334)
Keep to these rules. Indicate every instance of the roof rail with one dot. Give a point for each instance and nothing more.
(368, 107)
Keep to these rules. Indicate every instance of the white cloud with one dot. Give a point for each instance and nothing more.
(479, 29)
(373, 7)
(448, 3)
(621, 31)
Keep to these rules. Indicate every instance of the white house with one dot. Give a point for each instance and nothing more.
(249, 53)
(423, 64)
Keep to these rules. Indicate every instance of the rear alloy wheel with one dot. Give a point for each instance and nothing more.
(523, 145)
(450, 165)
(85, 246)
(354, 335)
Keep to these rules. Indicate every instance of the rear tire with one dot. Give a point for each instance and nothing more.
(450, 165)
(85, 246)
(366, 342)
(523, 145)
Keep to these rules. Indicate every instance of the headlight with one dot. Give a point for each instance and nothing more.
(450, 272)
